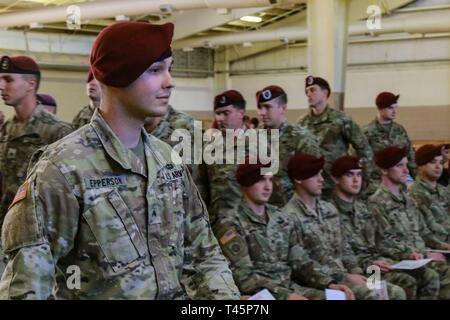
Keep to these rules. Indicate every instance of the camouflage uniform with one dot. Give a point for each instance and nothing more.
(358, 226)
(336, 131)
(172, 121)
(434, 204)
(401, 231)
(135, 229)
(265, 252)
(321, 234)
(83, 117)
(293, 138)
(224, 189)
(381, 136)
(18, 142)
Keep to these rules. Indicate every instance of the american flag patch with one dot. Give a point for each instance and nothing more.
(21, 194)
(227, 237)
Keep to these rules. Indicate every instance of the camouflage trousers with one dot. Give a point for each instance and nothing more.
(443, 270)
(403, 280)
(427, 283)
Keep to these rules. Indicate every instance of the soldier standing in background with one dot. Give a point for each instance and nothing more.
(383, 132)
(224, 191)
(272, 108)
(335, 130)
(29, 129)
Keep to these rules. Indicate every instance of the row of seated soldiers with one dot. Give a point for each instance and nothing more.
(310, 244)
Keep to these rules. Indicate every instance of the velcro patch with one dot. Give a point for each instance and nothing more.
(227, 237)
(21, 194)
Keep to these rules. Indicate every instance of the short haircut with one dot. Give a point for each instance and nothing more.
(239, 105)
(36, 77)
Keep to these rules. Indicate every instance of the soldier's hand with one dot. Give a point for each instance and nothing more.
(383, 265)
(356, 279)
(296, 296)
(341, 287)
(436, 256)
(415, 256)
(244, 297)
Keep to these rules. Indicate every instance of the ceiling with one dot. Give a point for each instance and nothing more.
(268, 15)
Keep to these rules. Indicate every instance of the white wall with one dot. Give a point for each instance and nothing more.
(69, 90)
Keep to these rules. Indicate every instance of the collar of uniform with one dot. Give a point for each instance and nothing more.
(321, 117)
(344, 207)
(115, 149)
(284, 125)
(307, 210)
(383, 126)
(400, 198)
(428, 187)
(253, 217)
(29, 127)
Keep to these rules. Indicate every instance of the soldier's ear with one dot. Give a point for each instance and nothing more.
(336, 181)
(297, 181)
(384, 172)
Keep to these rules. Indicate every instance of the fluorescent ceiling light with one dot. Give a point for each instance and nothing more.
(251, 19)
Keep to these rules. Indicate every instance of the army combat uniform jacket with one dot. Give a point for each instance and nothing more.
(336, 132)
(18, 142)
(265, 252)
(134, 230)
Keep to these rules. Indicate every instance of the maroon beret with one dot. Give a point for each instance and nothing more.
(46, 99)
(321, 82)
(344, 164)
(303, 166)
(227, 98)
(19, 64)
(268, 93)
(248, 174)
(124, 50)
(386, 99)
(89, 77)
(390, 156)
(427, 153)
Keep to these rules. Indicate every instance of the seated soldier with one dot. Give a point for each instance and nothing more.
(432, 198)
(400, 231)
(318, 225)
(358, 226)
(262, 246)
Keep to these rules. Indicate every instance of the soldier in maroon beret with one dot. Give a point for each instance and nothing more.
(384, 131)
(336, 131)
(358, 226)
(432, 198)
(272, 106)
(120, 205)
(229, 110)
(29, 129)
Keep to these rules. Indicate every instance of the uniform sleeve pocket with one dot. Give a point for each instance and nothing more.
(115, 230)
